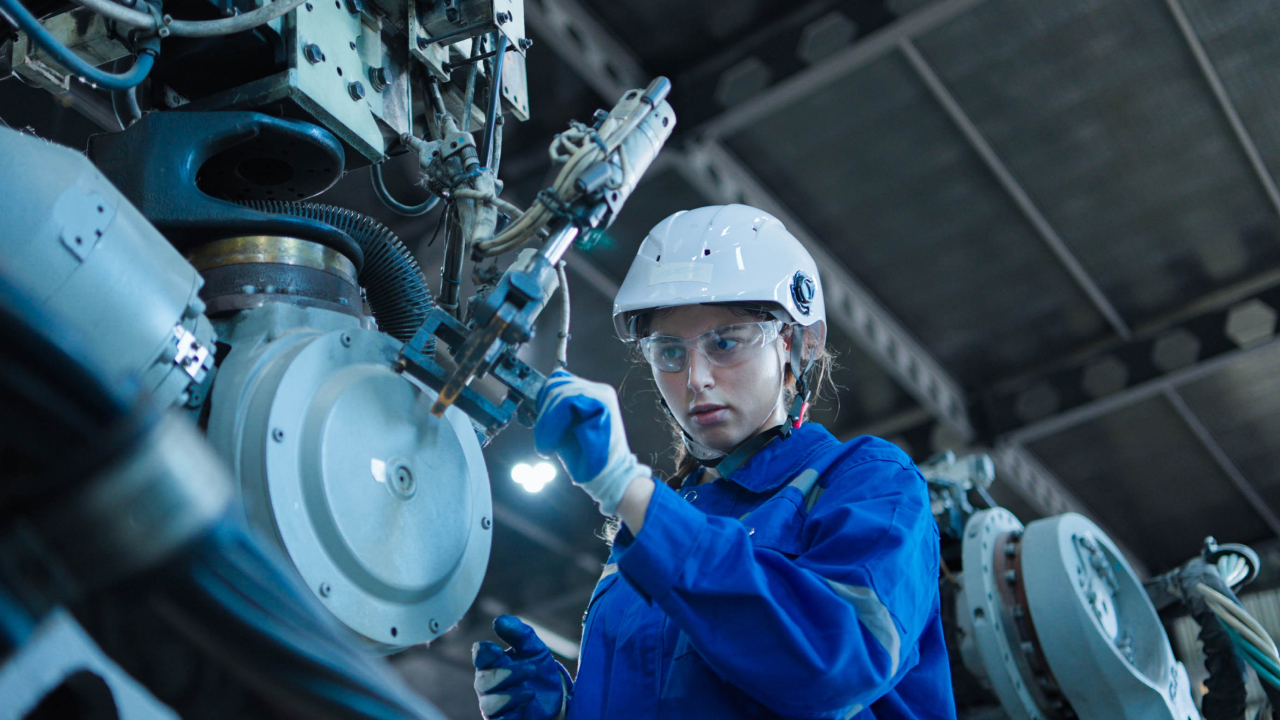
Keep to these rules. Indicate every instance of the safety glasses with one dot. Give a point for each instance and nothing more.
(723, 347)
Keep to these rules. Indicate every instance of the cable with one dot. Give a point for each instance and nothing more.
(190, 28)
(1267, 670)
(148, 49)
(395, 206)
(562, 349)
(1238, 617)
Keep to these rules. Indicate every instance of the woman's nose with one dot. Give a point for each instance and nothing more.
(700, 378)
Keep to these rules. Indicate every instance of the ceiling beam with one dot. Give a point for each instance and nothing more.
(722, 178)
(836, 66)
(1224, 102)
(1120, 375)
(1021, 199)
(581, 41)
(1224, 462)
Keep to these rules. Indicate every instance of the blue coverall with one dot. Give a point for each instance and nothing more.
(742, 598)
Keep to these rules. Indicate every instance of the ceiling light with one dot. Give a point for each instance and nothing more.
(533, 478)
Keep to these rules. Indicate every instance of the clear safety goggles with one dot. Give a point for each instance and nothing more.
(723, 347)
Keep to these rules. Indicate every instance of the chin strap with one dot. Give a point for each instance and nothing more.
(801, 404)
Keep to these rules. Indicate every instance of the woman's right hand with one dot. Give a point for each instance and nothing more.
(522, 683)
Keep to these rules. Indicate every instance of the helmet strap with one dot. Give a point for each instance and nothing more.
(800, 368)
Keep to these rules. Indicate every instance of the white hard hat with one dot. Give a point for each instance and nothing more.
(731, 254)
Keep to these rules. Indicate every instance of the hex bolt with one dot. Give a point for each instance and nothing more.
(325, 589)
(277, 434)
(356, 88)
(1010, 550)
(1011, 577)
(434, 625)
(313, 53)
(422, 43)
(486, 523)
(504, 18)
(379, 78)
(345, 339)
(526, 43)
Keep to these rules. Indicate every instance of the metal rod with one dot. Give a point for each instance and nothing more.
(469, 95)
(453, 34)
(1015, 190)
(450, 67)
(451, 273)
(559, 243)
(495, 102)
(1224, 103)
(1220, 456)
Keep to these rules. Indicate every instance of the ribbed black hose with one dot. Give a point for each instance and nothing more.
(392, 281)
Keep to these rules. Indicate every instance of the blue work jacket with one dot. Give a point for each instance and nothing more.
(804, 585)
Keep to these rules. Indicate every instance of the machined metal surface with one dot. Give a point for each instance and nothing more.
(1096, 626)
(383, 509)
(993, 654)
(73, 242)
(275, 250)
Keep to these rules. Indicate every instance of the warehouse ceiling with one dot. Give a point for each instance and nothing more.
(1049, 229)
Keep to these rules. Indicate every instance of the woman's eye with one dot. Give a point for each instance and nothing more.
(725, 343)
(671, 352)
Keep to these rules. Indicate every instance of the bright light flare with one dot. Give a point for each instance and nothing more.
(533, 478)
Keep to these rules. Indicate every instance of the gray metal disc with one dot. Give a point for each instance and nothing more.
(1098, 629)
(984, 611)
(383, 508)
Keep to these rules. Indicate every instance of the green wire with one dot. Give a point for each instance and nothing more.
(1266, 668)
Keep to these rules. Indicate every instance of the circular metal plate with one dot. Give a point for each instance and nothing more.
(987, 615)
(382, 507)
(1099, 632)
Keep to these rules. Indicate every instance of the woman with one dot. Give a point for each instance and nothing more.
(787, 575)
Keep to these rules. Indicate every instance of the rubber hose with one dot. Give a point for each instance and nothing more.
(392, 281)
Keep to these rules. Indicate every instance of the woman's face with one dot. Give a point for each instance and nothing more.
(720, 407)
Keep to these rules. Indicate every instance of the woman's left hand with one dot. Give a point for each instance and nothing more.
(580, 422)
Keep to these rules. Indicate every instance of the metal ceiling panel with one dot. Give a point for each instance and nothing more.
(1151, 482)
(1240, 406)
(1239, 37)
(1101, 112)
(876, 169)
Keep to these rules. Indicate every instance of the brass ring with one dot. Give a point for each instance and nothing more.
(273, 249)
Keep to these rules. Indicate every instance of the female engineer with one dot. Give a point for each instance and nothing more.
(784, 574)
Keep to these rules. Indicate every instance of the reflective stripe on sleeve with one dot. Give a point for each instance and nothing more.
(874, 616)
(853, 711)
(609, 569)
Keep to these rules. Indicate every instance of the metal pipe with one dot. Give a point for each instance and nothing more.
(495, 102)
(559, 243)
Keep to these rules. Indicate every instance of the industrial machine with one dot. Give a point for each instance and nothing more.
(1049, 621)
(181, 260)
(243, 439)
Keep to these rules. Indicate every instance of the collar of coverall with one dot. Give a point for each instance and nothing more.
(778, 462)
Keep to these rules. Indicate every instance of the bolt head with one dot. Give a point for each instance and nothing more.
(422, 43)
(379, 78)
(325, 589)
(277, 434)
(526, 43)
(313, 53)
(486, 523)
(434, 625)
(345, 339)
(451, 14)
(356, 89)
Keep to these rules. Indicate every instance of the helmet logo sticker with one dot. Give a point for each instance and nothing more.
(802, 291)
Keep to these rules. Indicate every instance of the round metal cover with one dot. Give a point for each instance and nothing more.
(1099, 632)
(382, 507)
(985, 612)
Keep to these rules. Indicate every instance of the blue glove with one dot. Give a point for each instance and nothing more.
(580, 423)
(523, 683)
